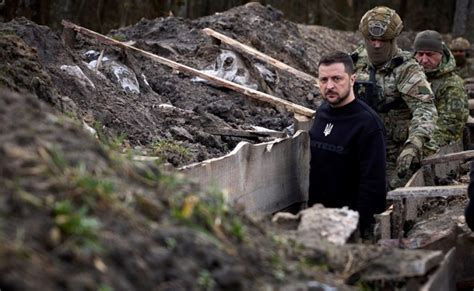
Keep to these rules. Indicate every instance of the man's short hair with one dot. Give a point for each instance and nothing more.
(338, 57)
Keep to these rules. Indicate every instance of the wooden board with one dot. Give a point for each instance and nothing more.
(264, 178)
(289, 106)
(425, 192)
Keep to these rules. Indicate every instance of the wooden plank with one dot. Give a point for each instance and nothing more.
(302, 122)
(397, 219)
(448, 157)
(289, 106)
(425, 192)
(259, 55)
(263, 178)
(416, 180)
(383, 225)
(244, 133)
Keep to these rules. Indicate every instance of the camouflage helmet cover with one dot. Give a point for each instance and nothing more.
(381, 23)
(459, 44)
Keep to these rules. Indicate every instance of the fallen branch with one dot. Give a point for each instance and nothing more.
(259, 55)
(291, 107)
(464, 155)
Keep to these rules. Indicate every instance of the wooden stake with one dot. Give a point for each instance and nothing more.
(259, 55)
(448, 158)
(99, 61)
(291, 107)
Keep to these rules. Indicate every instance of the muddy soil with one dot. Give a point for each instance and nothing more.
(75, 216)
(146, 107)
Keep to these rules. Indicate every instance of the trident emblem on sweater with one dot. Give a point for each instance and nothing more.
(328, 129)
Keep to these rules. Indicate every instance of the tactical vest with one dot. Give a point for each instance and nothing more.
(376, 92)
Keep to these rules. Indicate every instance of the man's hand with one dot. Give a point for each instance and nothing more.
(408, 159)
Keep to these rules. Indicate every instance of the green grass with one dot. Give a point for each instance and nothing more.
(206, 281)
(75, 224)
(119, 37)
(165, 148)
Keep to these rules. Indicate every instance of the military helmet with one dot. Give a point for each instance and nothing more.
(459, 44)
(381, 23)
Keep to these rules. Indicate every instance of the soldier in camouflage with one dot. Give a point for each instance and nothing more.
(448, 88)
(395, 86)
(464, 65)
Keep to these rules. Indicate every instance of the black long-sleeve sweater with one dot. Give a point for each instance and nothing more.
(348, 160)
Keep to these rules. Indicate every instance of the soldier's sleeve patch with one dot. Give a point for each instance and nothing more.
(423, 90)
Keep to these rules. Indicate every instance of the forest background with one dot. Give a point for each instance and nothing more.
(445, 16)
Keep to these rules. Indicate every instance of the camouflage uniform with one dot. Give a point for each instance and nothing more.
(395, 86)
(451, 103)
(466, 70)
(411, 117)
(464, 64)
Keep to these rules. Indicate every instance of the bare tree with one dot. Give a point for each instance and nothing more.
(460, 17)
(470, 24)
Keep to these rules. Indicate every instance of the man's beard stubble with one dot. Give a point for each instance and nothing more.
(340, 99)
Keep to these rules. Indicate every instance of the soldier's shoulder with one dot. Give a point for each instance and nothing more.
(407, 61)
(453, 77)
(410, 67)
(453, 80)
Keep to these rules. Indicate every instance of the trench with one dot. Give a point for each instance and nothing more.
(271, 177)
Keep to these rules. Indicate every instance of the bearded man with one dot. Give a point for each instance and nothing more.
(347, 146)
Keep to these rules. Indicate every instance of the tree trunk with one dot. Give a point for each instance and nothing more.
(460, 17)
(469, 34)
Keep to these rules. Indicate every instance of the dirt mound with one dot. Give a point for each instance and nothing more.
(146, 107)
(80, 219)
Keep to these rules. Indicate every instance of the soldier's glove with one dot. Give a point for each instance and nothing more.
(409, 158)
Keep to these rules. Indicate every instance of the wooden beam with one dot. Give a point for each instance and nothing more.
(425, 192)
(245, 133)
(384, 226)
(291, 107)
(259, 55)
(417, 179)
(448, 157)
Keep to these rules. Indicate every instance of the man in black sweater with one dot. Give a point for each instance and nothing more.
(347, 146)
